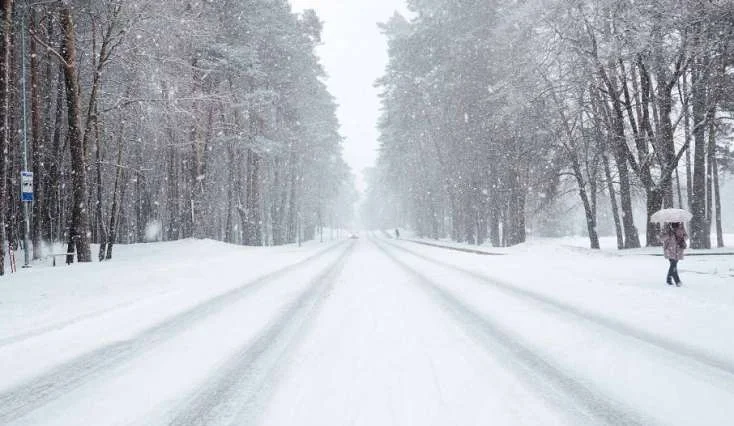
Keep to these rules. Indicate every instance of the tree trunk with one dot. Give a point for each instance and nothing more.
(678, 190)
(613, 201)
(92, 123)
(710, 161)
(699, 238)
(276, 202)
(228, 233)
(481, 220)
(494, 219)
(632, 238)
(654, 202)
(14, 153)
(588, 211)
(54, 163)
(200, 133)
(253, 225)
(469, 217)
(5, 52)
(79, 215)
(602, 118)
(102, 229)
(667, 145)
(173, 230)
(515, 233)
(717, 205)
(115, 219)
(105, 250)
(685, 97)
(293, 208)
(38, 149)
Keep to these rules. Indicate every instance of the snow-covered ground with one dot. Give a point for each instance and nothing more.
(368, 331)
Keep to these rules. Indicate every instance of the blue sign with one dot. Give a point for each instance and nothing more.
(26, 187)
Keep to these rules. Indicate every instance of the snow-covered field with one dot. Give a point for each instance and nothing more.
(369, 332)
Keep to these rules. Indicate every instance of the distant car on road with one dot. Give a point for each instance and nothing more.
(354, 236)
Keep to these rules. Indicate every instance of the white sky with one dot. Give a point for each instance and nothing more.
(354, 54)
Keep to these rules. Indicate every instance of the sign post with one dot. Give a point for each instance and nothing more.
(26, 196)
(26, 187)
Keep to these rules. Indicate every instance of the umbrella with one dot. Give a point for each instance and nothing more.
(671, 216)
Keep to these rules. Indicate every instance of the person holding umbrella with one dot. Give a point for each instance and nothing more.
(673, 238)
(674, 244)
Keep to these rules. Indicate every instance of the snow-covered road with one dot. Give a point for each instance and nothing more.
(367, 332)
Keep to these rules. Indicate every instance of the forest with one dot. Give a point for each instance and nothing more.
(156, 121)
(492, 110)
(161, 120)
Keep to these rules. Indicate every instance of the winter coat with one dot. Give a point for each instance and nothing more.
(671, 243)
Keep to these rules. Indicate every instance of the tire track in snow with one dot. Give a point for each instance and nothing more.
(462, 249)
(236, 392)
(51, 384)
(721, 365)
(557, 385)
(40, 331)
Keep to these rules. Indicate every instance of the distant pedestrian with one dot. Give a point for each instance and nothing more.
(397, 233)
(674, 244)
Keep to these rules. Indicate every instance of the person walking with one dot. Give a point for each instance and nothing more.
(674, 244)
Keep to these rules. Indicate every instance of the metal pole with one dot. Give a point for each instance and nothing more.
(26, 213)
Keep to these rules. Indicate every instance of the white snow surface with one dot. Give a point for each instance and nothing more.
(373, 331)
